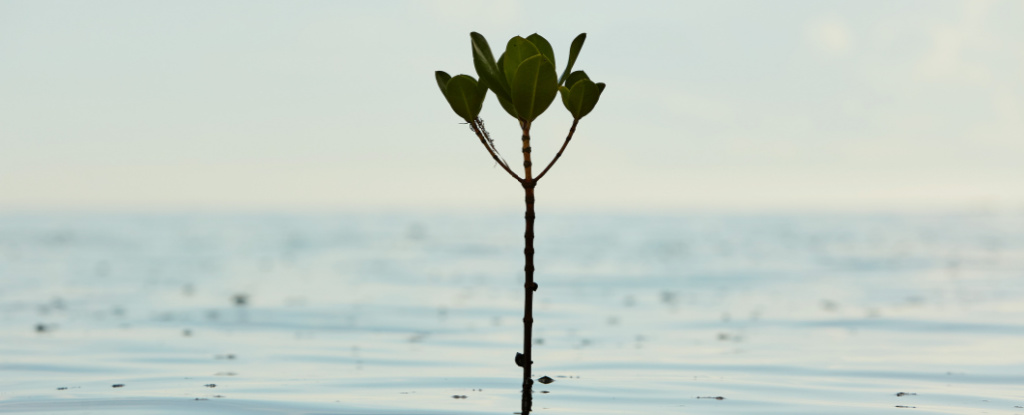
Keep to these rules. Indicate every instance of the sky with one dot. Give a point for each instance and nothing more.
(332, 106)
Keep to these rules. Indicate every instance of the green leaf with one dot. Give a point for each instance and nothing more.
(501, 67)
(509, 108)
(442, 80)
(543, 46)
(481, 87)
(486, 68)
(517, 51)
(600, 87)
(506, 103)
(534, 87)
(564, 92)
(465, 96)
(576, 77)
(574, 52)
(582, 98)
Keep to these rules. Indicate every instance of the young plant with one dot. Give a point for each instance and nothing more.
(525, 83)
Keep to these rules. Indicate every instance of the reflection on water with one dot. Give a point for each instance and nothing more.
(421, 315)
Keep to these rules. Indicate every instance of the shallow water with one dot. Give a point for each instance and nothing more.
(396, 314)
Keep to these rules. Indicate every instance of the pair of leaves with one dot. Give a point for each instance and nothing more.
(464, 94)
(582, 96)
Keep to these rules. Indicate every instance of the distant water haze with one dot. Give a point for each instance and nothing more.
(119, 105)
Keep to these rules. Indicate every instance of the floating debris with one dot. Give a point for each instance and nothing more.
(118, 385)
(225, 374)
(241, 299)
(712, 397)
(211, 385)
(905, 406)
(228, 356)
(459, 396)
(545, 380)
(905, 393)
(62, 388)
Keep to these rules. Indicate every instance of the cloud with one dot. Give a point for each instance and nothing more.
(830, 36)
(946, 59)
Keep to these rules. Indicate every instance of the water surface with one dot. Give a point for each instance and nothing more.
(400, 314)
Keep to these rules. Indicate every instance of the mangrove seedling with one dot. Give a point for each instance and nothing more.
(525, 82)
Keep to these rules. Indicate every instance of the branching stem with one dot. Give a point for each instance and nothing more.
(485, 140)
(572, 130)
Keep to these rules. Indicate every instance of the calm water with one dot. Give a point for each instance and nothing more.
(396, 314)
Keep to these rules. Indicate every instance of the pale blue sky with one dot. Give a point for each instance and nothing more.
(255, 105)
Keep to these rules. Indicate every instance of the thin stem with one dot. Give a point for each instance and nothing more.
(484, 141)
(568, 138)
(528, 185)
(527, 405)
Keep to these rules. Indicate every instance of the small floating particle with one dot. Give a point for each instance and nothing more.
(186, 333)
(62, 388)
(905, 393)
(225, 374)
(458, 396)
(201, 399)
(545, 380)
(905, 406)
(218, 396)
(211, 385)
(241, 299)
(118, 385)
(544, 392)
(712, 397)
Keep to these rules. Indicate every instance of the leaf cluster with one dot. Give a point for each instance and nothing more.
(523, 79)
